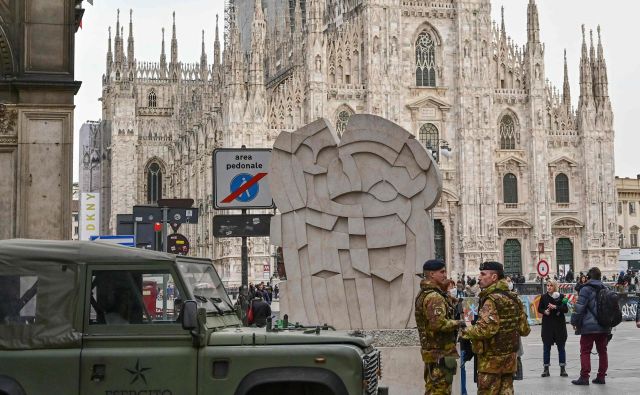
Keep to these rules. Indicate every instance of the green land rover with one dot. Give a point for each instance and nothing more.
(91, 318)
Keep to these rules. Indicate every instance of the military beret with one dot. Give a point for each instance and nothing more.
(491, 265)
(433, 264)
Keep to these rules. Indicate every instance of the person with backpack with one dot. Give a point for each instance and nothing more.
(596, 312)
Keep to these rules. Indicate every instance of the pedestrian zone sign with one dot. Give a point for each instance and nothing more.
(240, 178)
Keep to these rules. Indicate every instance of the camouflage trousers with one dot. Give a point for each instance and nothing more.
(435, 382)
(495, 384)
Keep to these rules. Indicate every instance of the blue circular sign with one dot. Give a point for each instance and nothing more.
(248, 195)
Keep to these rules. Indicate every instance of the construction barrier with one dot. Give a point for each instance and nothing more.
(628, 305)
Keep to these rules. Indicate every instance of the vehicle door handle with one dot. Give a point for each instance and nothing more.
(97, 375)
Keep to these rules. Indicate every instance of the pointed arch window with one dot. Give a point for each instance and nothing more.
(562, 188)
(342, 121)
(428, 136)
(154, 183)
(512, 251)
(508, 134)
(510, 188)
(425, 60)
(152, 99)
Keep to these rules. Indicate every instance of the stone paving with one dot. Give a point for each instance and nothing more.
(624, 366)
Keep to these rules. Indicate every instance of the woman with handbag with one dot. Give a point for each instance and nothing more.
(553, 307)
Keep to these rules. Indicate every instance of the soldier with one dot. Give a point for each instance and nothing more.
(495, 337)
(437, 329)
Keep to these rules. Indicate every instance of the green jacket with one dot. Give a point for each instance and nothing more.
(436, 326)
(496, 335)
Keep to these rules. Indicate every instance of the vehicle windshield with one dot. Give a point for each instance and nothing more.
(206, 287)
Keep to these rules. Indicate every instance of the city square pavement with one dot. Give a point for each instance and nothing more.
(623, 376)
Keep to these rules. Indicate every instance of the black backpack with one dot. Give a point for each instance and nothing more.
(608, 305)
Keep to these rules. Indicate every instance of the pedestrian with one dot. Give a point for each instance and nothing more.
(437, 328)
(620, 284)
(496, 334)
(569, 276)
(585, 322)
(261, 310)
(459, 289)
(638, 314)
(509, 283)
(276, 292)
(553, 307)
(582, 280)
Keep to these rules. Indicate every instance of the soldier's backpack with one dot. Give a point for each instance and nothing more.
(608, 312)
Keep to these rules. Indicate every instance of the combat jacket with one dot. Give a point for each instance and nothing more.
(436, 326)
(496, 335)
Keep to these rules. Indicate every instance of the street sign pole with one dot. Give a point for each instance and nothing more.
(165, 210)
(245, 260)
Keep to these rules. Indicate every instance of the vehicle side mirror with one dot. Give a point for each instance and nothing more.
(190, 315)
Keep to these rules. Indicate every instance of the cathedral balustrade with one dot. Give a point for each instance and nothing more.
(512, 208)
(511, 96)
(427, 8)
(564, 208)
(342, 91)
(429, 3)
(155, 111)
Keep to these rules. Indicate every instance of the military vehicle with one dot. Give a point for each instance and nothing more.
(84, 318)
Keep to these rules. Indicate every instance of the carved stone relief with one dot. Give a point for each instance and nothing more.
(353, 214)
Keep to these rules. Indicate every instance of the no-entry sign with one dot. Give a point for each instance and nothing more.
(239, 178)
(543, 268)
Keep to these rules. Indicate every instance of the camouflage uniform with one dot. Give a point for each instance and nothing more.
(495, 338)
(437, 328)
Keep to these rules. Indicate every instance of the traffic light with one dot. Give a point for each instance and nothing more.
(157, 227)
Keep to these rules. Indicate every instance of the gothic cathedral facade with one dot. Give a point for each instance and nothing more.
(526, 175)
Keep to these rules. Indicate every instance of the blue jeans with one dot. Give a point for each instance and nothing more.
(546, 354)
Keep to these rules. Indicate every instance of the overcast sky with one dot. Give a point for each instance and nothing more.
(560, 22)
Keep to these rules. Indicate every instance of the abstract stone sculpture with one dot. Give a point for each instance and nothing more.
(354, 225)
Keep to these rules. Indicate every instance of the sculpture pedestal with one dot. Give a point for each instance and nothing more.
(402, 366)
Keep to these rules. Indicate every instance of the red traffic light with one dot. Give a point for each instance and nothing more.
(157, 226)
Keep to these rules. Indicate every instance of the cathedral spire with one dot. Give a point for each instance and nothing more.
(216, 46)
(566, 89)
(163, 59)
(109, 54)
(258, 32)
(503, 31)
(130, 53)
(203, 60)
(604, 79)
(586, 82)
(533, 25)
(174, 43)
(119, 56)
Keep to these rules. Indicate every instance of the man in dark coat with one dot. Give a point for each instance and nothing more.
(553, 307)
(569, 277)
(261, 310)
(585, 321)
